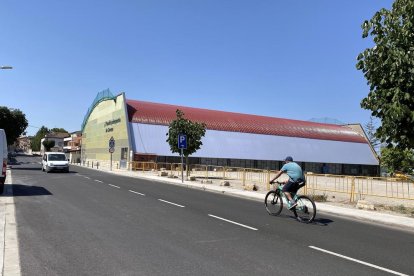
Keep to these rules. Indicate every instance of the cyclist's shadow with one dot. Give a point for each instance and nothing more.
(322, 221)
(316, 221)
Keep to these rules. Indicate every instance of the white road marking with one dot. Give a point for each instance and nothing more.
(136, 192)
(87, 177)
(114, 186)
(98, 181)
(171, 203)
(230, 221)
(358, 261)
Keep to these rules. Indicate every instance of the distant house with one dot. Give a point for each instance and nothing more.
(72, 146)
(23, 144)
(58, 137)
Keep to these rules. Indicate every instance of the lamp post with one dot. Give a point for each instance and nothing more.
(5, 67)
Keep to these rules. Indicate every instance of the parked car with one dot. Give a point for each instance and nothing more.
(55, 161)
(3, 159)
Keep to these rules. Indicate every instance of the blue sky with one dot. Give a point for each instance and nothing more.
(289, 59)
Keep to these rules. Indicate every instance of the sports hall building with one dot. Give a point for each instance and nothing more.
(232, 139)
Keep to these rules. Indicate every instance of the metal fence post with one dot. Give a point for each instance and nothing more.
(244, 177)
(268, 180)
(352, 197)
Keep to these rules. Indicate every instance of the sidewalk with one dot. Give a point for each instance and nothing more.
(403, 222)
(9, 247)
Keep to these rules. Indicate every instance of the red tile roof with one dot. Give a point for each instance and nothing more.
(163, 114)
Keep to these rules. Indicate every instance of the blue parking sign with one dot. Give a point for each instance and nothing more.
(182, 141)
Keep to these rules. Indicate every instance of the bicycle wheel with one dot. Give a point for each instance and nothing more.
(305, 211)
(273, 203)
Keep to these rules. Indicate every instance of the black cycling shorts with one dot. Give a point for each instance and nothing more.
(291, 186)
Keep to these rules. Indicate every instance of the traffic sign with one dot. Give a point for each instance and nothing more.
(182, 141)
(111, 150)
(112, 142)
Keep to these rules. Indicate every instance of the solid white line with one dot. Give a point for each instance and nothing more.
(358, 261)
(171, 203)
(114, 186)
(98, 181)
(251, 228)
(136, 192)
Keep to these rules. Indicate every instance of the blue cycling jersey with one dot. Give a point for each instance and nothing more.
(293, 170)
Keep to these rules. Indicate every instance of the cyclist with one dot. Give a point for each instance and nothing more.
(294, 171)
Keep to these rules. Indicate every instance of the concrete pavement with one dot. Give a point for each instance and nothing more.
(352, 213)
(9, 246)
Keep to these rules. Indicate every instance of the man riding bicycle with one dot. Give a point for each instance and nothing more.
(294, 171)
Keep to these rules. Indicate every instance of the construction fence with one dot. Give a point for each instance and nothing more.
(349, 188)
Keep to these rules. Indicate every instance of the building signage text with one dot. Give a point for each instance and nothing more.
(110, 123)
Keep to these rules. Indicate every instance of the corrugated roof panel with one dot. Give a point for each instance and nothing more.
(163, 114)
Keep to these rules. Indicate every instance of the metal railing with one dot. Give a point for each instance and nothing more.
(351, 187)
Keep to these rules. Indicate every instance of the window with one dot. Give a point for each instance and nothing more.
(124, 153)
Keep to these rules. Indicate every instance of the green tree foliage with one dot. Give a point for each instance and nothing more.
(58, 130)
(14, 123)
(35, 142)
(195, 132)
(48, 144)
(396, 159)
(389, 70)
(370, 130)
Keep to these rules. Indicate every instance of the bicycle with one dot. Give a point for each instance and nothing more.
(305, 210)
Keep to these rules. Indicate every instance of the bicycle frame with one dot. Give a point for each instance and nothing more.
(282, 194)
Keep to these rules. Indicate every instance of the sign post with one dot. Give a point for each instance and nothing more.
(111, 149)
(182, 144)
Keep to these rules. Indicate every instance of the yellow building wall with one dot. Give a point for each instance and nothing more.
(108, 119)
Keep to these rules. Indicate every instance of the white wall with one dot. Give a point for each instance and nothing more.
(235, 145)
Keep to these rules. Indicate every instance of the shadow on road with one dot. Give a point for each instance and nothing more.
(26, 168)
(25, 190)
(322, 221)
(317, 221)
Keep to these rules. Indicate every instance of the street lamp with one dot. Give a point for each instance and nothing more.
(6, 67)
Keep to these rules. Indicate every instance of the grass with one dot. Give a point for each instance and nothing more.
(320, 198)
(398, 209)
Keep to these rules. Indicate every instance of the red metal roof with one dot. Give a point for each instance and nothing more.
(163, 114)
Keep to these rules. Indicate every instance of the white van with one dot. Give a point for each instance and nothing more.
(3, 158)
(55, 161)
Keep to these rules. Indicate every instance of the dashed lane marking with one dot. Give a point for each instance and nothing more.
(136, 192)
(358, 261)
(172, 203)
(230, 221)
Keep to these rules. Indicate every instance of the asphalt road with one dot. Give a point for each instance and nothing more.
(88, 222)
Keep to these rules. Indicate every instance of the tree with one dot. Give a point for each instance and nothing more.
(396, 159)
(389, 70)
(370, 130)
(48, 144)
(58, 130)
(14, 123)
(40, 134)
(194, 131)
